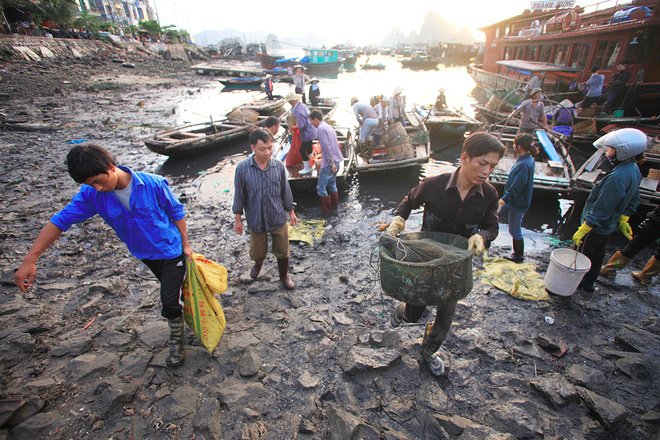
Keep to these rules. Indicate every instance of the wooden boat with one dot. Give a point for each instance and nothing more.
(321, 61)
(380, 160)
(308, 183)
(597, 166)
(378, 66)
(242, 70)
(566, 43)
(446, 124)
(326, 106)
(420, 62)
(553, 167)
(264, 106)
(199, 138)
(238, 82)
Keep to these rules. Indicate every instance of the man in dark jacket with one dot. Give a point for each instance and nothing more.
(461, 203)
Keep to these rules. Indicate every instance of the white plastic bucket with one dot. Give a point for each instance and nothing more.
(565, 271)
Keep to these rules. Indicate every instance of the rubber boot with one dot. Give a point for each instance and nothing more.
(334, 198)
(398, 315)
(283, 267)
(518, 251)
(430, 353)
(616, 262)
(651, 269)
(254, 272)
(307, 169)
(326, 204)
(177, 352)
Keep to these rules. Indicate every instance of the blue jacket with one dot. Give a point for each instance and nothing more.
(520, 184)
(148, 229)
(616, 194)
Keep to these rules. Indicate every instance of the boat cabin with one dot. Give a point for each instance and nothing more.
(321, 56)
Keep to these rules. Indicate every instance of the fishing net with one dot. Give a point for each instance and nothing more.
(425, 268)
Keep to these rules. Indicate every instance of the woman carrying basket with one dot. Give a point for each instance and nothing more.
(461, 203)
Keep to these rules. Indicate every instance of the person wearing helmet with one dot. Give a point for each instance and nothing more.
(612, 200)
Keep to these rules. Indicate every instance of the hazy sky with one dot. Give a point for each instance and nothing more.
(360, 22)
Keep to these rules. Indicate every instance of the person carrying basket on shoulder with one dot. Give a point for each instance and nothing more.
(464, 203)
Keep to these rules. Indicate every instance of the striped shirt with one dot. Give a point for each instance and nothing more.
(263, 195)
(329, 145)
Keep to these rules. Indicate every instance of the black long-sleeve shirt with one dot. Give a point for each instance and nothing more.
(444, 211)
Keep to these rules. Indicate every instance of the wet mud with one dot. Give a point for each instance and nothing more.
(83, 353)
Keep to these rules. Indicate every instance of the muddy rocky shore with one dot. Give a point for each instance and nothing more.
(82, 355)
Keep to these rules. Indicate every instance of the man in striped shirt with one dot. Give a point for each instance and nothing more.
(262, 192)
(331, 159)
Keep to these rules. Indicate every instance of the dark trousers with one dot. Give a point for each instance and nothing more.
(594, 248)
(301, 92)
(649, 231)
(444, 316)
(170, 273)
(306, 150)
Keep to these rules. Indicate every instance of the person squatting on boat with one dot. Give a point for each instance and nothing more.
(366, 117)
(262, 192)
(145, 215)
(440, 101)
(518, 190)
(397, 108)
(307, 130)
(300, 80)
(612, 200)
(331, 159)
(594, 86)
(464, 203)
(532, 113)
(648, 233)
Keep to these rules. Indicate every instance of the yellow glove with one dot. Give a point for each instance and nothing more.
(580, 233)
(397, 225)
(624, 227)
(476, 244)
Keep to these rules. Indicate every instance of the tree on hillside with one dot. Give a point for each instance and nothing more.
(24, 5)
(94, 23)
(62, 12)
(152, 27)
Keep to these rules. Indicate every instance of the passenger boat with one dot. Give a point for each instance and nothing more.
(553, 167)
(250, 82)
(597, 166)
(380, 160)
(308, 183)
(349, 58)
(420, 62)
(446, 124)
(265, 106)
(321, 62)
(199, 138)
(569, 42)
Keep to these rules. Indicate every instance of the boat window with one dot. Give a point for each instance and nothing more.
(507, 52)
(520, 51)
(507, 30)
(497, 32)
(606, 53)
(640, 46)
(545, 53)
(560, 54)
(580, 55)
(533, 52)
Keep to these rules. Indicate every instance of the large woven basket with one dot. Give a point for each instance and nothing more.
(427, 283)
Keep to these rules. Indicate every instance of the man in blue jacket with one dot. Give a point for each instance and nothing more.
(612, 200)
(144, 213)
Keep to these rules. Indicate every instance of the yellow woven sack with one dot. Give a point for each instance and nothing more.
(201, 310)
(214, 275)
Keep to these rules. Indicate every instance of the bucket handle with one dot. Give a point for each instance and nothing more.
(573, 265)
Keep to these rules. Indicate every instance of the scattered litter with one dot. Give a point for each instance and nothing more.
(77, 141)
(307, 231)
(89, 324)
(520, 280)
(549, 320)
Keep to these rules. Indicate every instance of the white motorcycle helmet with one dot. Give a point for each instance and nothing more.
(628, 143)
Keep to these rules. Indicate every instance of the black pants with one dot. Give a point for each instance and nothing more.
(649, 231)
(444, 316)
(170, 273)
(301, 92)
(305, 150)
(594, 248)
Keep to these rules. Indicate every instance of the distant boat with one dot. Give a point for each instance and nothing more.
(199, 138)
(248, 82)
(446, 124)
(321, 61)
(378, 66)
(420, 62)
